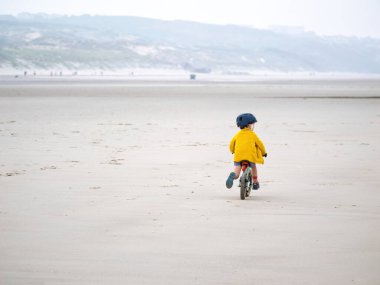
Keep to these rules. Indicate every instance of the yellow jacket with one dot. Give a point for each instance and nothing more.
(246, 145)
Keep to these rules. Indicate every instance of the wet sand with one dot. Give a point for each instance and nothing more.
(124, 183)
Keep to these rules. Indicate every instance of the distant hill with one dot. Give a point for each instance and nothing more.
(115, 42)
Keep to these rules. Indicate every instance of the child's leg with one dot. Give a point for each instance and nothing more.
(254, 173)
(233, 175)
(255, 184)
(237, 170)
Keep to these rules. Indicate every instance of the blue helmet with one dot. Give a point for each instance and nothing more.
(244, 120)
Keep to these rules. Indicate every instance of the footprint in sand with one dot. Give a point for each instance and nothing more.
(116, 161)
(13, 173)
(95, 187)
(169, 186)
(48, 167)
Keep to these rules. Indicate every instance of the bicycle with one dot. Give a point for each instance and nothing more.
(246, 183)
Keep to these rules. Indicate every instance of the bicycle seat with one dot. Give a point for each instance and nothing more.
(244, 164)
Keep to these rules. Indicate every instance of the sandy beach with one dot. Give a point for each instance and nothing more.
(124, 183)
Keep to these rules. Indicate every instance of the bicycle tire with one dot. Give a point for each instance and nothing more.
(242, 186)
(248, 184)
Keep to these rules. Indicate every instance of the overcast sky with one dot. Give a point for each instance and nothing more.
(325, 17)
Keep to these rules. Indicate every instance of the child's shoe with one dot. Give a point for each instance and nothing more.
(255, 185)
(230, 180)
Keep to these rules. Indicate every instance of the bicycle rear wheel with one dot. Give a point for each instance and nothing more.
(242, 186)
(248, 186)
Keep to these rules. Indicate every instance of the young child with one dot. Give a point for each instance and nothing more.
(246, 145)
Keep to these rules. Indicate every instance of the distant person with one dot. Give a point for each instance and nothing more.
(246, 146)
